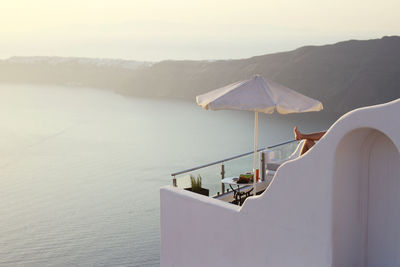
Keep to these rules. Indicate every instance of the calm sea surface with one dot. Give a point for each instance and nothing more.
(80, 169)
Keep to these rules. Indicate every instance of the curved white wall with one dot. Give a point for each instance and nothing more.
(366, 194)
(383, 235)
(319, 210)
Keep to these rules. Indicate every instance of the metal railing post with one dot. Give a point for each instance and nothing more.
(262, 167)
(222, 177)
(174, 182)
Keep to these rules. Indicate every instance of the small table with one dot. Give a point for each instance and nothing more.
(232, 181)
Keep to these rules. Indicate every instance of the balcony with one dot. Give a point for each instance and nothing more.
(337, 205)
(214, 173)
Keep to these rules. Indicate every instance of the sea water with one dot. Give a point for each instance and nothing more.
(80, 169)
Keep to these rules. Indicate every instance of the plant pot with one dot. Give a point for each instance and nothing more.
(201, 191)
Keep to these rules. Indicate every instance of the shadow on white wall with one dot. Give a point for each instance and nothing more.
(366, 198)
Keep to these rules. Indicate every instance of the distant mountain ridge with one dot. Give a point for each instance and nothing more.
(343, 76)
(100, 62)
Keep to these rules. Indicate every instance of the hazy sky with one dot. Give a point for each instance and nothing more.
(173, 29)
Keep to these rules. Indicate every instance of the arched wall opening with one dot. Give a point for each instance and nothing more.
(366, 200)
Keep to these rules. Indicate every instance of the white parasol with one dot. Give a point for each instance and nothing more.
(258, 94)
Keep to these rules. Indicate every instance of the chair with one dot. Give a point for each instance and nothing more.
(272, 164)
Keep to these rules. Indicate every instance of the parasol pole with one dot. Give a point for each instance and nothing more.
(255, 150)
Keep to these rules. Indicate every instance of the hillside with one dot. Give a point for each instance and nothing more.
(343, 76)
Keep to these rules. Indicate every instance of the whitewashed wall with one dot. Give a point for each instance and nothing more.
(337, 205)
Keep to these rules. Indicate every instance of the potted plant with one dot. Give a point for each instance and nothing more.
(196, 186)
